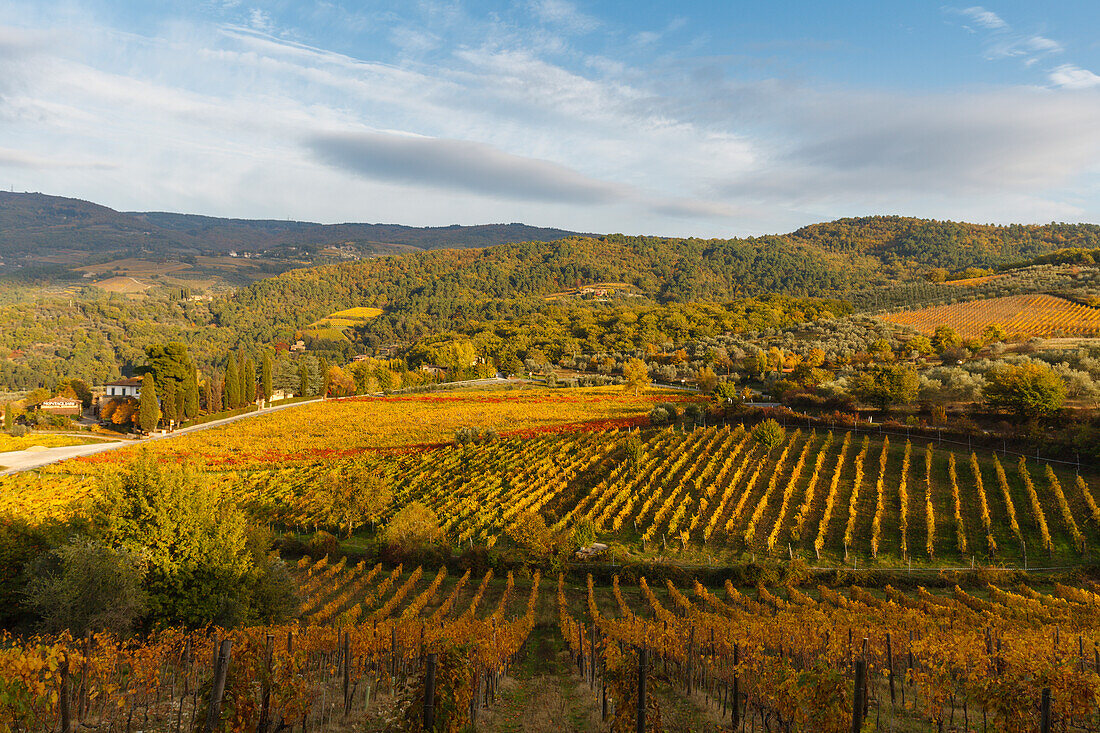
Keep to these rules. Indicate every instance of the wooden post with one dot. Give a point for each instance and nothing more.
(82, 690)
(1044, 712)
(393, 653)
(429, 692)
(691, 651)
(857, 697)
(347, 673)
(580, 650)
(213, 713)
(592, 659)
(641, 690)
(186, 670)
(66, 722)
(890, 665)
(265, 686)
(736, 686)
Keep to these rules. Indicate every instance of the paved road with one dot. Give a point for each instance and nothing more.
(27, 460)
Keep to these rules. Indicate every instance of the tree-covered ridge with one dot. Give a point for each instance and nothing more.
(909, 242)
(511, 279)
(38, 225)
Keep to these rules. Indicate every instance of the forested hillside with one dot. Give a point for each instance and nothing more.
(36, 228)
(437, 289)
(904, 244)
(660, 289)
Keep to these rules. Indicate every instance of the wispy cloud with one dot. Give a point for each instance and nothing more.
(1069, 76)
(1002, 41)
(21, 159)
(238, 120)
(984, 18)
(564, 14)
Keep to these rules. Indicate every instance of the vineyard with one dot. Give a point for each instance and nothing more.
(383, 649)
(1020, 315)
(707, 495)
(370, 670)
(784, 659)
(354, 425)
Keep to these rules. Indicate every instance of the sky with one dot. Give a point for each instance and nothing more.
(709, 119)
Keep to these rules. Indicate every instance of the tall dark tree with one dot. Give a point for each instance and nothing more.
(266, 377)
(242, 389)
(217, 393)
(191, 395)
(232, 385)
(168, 401)
(322, 365)
(148, 409)
(168, 361)
(248, 381)
(303, 379)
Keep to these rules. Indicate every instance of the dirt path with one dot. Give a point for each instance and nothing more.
(543, 694)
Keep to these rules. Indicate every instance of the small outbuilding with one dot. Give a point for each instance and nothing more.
(65, 406)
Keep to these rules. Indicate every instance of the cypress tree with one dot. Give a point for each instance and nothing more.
(208, 396)
(322, 367)
(232, 385)
(191, 396)
(248, 374)
(266, 377)
(242, 388)
(168, 402)
(181, 402)
(303, 379)
(217, 393)
(9, 417)
(148, 409)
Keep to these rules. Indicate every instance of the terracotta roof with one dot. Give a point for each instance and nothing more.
(60, 402)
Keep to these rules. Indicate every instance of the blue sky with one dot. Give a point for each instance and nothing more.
(686, 118)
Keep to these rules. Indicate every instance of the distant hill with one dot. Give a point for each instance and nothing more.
(251, 234)
(36, 228)
(927, 243)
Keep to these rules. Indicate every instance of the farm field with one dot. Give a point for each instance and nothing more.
(45, 440)
(312, 435)
(333, 325)
(706, 496)
(1020, 315)
(719, 657)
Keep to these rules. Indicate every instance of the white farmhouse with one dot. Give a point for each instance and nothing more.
(129, 387)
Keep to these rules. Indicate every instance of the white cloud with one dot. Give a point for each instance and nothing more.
(259, 20)
(564, 14)
(984, 18)
(23, 159)
(1069, 76)
(234, 121)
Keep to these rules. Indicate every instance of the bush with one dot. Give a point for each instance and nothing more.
(191, 534)
(18, 431)
(85, 586)
(769, 434)
(584, 532)
(322, 543)
(415, 525)
(273, 593)
(658, 416)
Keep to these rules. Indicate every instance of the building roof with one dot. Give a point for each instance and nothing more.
(127, 382)
(60, 402)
